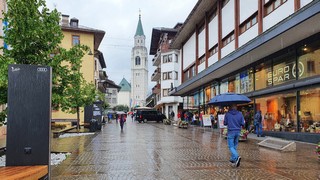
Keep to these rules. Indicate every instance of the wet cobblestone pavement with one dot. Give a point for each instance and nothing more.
(157, 151)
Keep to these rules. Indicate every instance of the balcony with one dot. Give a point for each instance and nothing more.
(156, 75)
(102, 75)
(156, 89)
(157, 58)
(102, 87)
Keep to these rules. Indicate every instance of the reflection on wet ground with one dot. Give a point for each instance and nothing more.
(157, 151)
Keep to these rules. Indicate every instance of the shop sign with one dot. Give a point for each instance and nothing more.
(284, 72)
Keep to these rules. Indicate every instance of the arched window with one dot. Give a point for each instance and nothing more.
(138, 60)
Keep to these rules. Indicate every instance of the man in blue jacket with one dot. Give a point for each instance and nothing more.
(234, 120)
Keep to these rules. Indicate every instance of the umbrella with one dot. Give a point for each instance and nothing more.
(228, 99)
(121, 112)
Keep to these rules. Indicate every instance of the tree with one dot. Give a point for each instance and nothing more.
(124, 108)
(34, 34)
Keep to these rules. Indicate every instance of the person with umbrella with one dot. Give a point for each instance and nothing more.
(233, 120)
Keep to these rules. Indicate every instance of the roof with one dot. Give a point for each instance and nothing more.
(98, 34)
(139, 31)
(156, 35)
(196, 15)
(111, 84)
(125, 85)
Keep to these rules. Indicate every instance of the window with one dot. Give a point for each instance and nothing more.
(176, 57)
(165, 92)
(186, 75)
(213, 50)
(165, 59)
(193, 71)
(261, 75)
(272, 5)
(75, 40)
(138, 61)
(202, 59)
(169, 75)
(114, 92)
(164, 76)
(170, 58)
(228, 39)
(251, 21)
(309, 60)
(176, 75)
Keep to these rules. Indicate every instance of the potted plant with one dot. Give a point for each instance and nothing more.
(243, 134)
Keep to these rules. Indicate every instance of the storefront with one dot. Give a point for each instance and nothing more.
(285, 86)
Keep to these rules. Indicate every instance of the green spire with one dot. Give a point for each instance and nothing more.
(139, 31)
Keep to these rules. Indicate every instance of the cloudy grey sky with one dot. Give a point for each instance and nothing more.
(119, 19)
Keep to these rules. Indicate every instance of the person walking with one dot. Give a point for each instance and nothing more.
(258, 123)
(122, 120)
(234, 120)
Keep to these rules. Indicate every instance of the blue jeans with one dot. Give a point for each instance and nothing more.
(233, 139)
(259, 129)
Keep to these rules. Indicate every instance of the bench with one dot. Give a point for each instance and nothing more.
(23, 172)
(278, 144)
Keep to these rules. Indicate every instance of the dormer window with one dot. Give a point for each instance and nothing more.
(74, 22)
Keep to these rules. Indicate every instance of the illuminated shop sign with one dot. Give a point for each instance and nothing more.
(284, 72)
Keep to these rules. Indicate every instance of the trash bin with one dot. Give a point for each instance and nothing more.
(93, 125)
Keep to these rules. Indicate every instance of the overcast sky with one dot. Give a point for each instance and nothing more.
(119, 19)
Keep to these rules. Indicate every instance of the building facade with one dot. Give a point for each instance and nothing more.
(268, 50)
(124, 94)
(112, 93)
(139, 68)
(75, 34)
(166, 74)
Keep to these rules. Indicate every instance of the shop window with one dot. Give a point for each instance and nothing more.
(246, 81)
(309, 60)
(310, 110)
(234, 84)
(207, 94)
(279, 112)
(201, 97)
(261, 75)
(224, 86)
(212, 15)
(283, 70)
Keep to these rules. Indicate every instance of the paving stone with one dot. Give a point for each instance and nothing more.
(156, 151)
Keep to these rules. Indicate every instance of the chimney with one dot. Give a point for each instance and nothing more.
(74, 22)
(65, 20)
